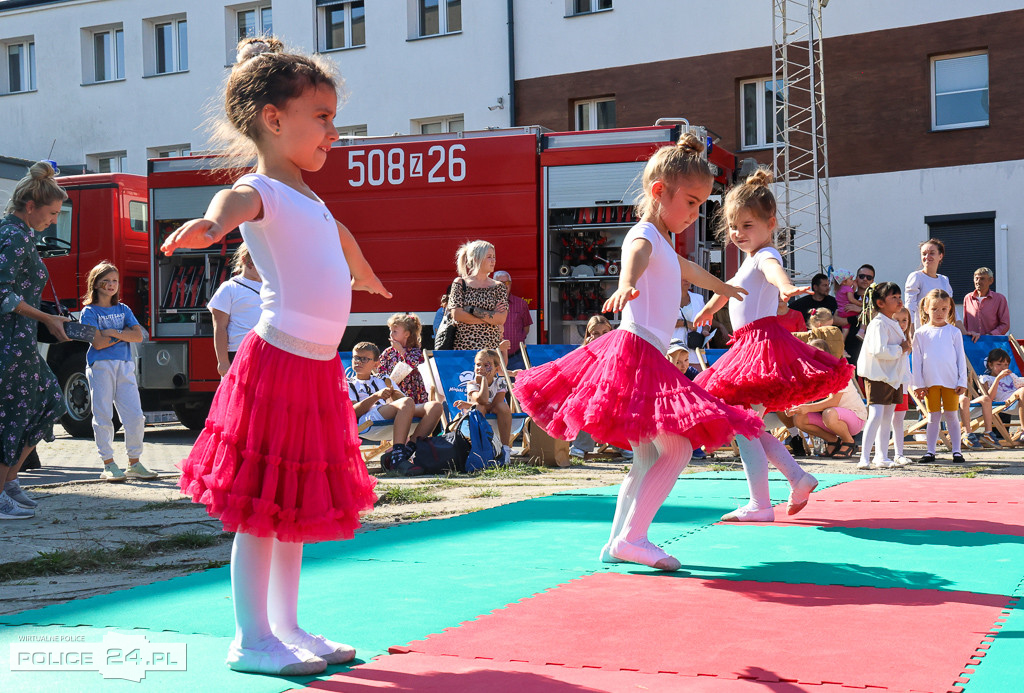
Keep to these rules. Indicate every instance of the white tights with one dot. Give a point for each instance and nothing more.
(897, 431)
(952, 419)
(656, 466)
(264, 588)
(877, 430)
(755, 454)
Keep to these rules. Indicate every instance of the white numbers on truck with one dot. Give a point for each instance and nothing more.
(374, 167)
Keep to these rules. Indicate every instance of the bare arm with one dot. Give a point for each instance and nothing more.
(220, 339)
(54, 323)
(108, 338)
(227, 210)
(363, 278)
(699, 276)
(777, 277)
(634, 264)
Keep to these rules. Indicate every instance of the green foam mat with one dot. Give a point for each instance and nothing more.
(731, 485)
(204, 667)
(1000, 669)
(906, 559)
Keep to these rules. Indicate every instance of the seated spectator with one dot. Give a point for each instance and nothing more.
(1003, 386)
(679, 355)
(836, 419)
(985, 311)
(488, 392)
(375, 399)
(821, 327)
(597, 326)
(405, 348)
(792, 320)
(820, 298)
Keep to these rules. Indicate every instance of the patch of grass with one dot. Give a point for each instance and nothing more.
(972, 472)
(722, 467)
(443, 483)
(72, 561)
(110, 516)
(158, 505)
(511, 471)
(397, 495)
(425, 514)
(486, 493)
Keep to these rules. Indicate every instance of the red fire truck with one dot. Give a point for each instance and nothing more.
(556, 206)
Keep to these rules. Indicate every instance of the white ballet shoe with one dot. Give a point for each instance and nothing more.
(799, 494)
(644, 553)
(881, 464)
(327, 650)
(606, 554)
(748, 514)
(864, 464)
(275, 658)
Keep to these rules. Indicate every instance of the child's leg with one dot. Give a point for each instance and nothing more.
(870, 432)
(430, 415)
(898, 431)
(129, 408)
(504, 415)
(644, 456)
(882, 438)
(932, 432)
(951, 415)
(282, 606)
(801, 483)
(755, 466)
(673, 453)
(255, 647)
(102, 385)
(401, 410)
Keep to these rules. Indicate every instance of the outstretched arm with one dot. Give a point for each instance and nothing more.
(697, 275)
(777, 277)
(363, 278)
(227, 210)
(634, 263)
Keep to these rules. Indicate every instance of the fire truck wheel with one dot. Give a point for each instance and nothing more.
(192, 414)
(75, 387)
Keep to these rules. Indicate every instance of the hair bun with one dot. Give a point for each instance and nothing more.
(761, 177)
(258, 45)
(690, 143)
(41, 170)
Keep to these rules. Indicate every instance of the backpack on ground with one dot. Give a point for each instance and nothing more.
(441, 454)
(475, 428)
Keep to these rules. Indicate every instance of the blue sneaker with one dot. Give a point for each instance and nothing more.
(699, 454)
(971, 440)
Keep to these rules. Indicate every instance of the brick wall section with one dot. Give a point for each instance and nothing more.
(878, 95)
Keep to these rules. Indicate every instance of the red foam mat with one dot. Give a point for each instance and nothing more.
(854, 636)
(904, 488)
(434, 674)
(984, 517)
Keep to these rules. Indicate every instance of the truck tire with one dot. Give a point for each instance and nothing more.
(192, 413)
(74, 385)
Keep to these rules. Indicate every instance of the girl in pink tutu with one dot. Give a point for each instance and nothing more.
(620, 388)
(278, 462)
(766, 366)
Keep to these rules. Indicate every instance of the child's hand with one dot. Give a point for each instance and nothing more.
(370, 285)
(921, 392)
(397, 346)
(905, 345)
(197, 233)
(384, 393)
(704, 317)
(961, 391)
(617, 301)
(734, 292)
(463, 405)
(1002, 374)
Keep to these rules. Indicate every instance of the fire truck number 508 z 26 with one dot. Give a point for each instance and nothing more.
(377, 166)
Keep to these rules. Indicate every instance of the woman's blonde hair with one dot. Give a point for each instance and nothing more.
(925, 307)
(819, 317)
(592, 325)
(754, 195)
(411, 322)
(470, 256)
(683, 159)
(263, 74)
(91, 289)
(240, 259)
(38, 187)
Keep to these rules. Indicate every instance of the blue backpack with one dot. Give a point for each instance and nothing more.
(477, 431)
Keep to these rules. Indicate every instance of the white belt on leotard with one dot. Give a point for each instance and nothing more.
(294, 345)
(644, 334)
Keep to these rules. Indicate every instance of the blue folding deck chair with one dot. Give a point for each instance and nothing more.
(707, 357)
(450, 371)
(539, 354)
(977, 353)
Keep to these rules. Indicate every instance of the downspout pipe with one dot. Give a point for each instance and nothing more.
(511, 64)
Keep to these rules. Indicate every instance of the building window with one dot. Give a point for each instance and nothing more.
(960, 91)
(575, 7)
(352, 131)
(437, 17)
(254, 21)
(20, 74)
(437, 126)
(343, 24)
(105, 47)
(595, 114)
(166, 152)
(111, 162)
(167, 46)
(760, 114)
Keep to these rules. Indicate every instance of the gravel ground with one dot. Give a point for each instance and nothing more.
(81, 522)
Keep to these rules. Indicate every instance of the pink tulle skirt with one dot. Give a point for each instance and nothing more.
(620, 388)
(279, 456)
(767, 365)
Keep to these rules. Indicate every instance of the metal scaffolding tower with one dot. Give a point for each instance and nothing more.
(801, 152)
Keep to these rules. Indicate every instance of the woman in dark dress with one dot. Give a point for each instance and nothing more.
(30, 399)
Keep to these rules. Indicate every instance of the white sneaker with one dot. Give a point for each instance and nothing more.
(748, 514)
(112, 472)
(9, 510)
(882, 464)
(644, 553)
(576, 452)
(18, 495)
(901, 461)
(137, 471)
(506, 455)
(864, 464)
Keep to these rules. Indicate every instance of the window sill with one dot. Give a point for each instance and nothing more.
(587, 14)
(15, 93)
(957, 128)
(106, 81)
(759, 148)
(342, 49)
(433, 36)
(164, 74)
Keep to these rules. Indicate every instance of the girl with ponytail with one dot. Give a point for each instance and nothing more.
(766, 368)
(620, 388)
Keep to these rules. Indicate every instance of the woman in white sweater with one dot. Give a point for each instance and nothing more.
(921, 281)
(940, 370)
